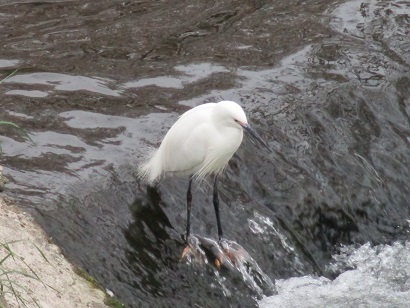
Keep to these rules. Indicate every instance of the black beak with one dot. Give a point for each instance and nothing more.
(255, 135)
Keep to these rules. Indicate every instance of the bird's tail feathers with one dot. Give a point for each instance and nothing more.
(151, 170)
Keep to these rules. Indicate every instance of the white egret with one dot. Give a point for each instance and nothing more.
(200, 143)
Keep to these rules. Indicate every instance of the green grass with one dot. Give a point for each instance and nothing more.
(11, 124)
(9, 277)
(109, 301)
(8, 76)
(113, 302)
(15, 126)
(9, 282)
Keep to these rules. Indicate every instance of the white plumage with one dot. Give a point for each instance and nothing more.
(201, 142)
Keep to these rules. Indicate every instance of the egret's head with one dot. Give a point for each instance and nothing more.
(231, 114)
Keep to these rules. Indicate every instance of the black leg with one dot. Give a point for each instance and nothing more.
(216, 207)
(188, 209)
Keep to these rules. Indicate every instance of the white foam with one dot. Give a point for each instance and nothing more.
(380, 278)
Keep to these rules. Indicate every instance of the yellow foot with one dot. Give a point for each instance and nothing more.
(229, 255)
(223, 253)
(193, 252)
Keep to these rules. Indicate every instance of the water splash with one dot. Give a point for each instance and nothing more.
(379, 278)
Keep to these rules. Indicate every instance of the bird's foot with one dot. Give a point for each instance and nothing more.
(232, 257)
(223, 253)
(202, 250)
(193, 251)
(226, 253)
(235, 252)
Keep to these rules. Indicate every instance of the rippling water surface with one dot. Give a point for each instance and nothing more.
(327, 85)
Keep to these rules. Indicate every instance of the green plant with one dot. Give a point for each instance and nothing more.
(11, 124)
(9, 75)
(3, 179)
(14, 125)
(8, 277)
(109, 301)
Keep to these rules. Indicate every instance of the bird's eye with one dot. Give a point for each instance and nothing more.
(236, 120)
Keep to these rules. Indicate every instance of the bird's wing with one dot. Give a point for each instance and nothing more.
(184, 148)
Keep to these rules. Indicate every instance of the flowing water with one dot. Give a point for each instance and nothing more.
(326, 84)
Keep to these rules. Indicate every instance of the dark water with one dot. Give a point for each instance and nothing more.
(326, 83)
